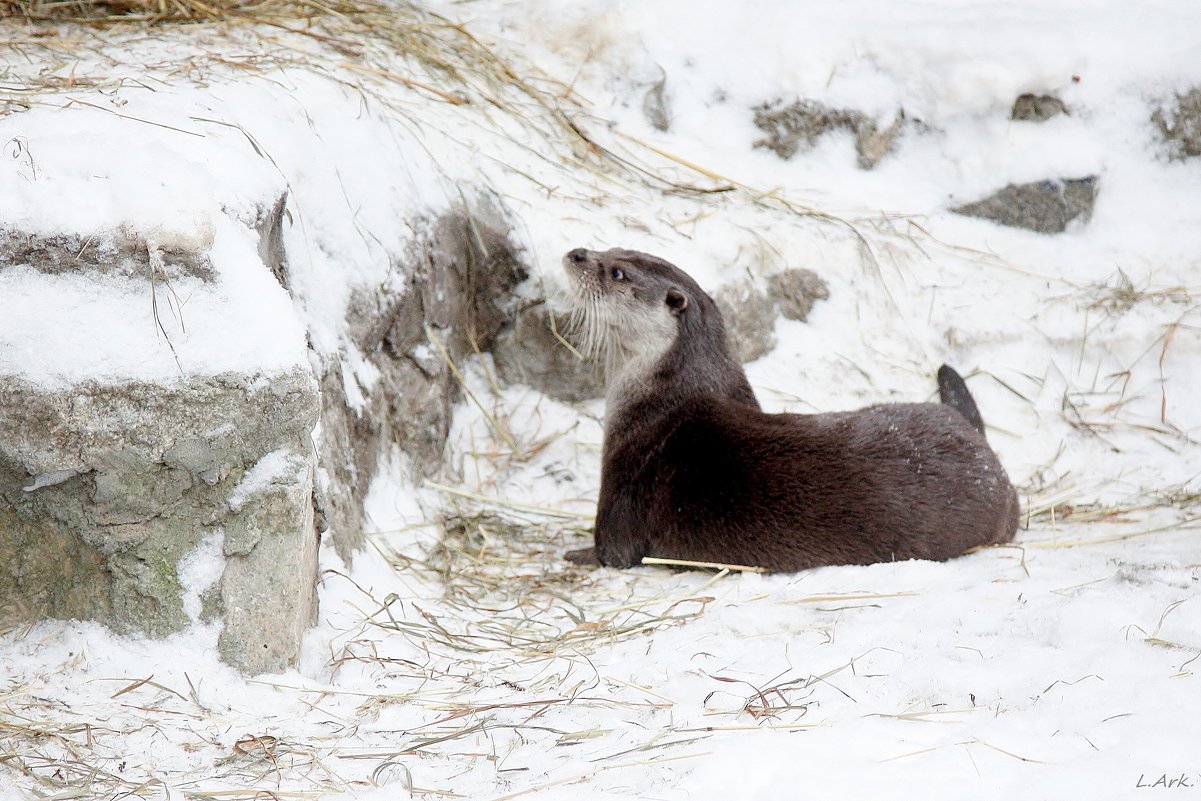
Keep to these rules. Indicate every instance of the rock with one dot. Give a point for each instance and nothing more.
(750, 314)
(802, 123)
(267, 565)
(124, 253)
(392, 386)
(1180, 125)
(106, 490)
(530, 353)
(269, 223)
(144, 502)
(1044, 206)
(1037, 108)
(796, 290)
(872, 144)
(750, 318)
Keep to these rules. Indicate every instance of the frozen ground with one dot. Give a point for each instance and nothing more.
(461, 657)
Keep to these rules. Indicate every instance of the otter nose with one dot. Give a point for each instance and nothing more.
(579, 255)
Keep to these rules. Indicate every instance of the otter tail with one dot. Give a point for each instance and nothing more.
(953, 392)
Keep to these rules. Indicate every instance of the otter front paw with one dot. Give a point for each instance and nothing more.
(611, 554)
(583, 556)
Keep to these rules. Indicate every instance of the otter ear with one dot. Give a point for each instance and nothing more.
(677, 301)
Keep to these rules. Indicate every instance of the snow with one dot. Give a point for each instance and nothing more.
(358, 376)
(79, 173)
(110, 329)
(199, 571)
(281, 466)
(1063, 665)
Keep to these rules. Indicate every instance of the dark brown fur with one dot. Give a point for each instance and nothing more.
(694, 470)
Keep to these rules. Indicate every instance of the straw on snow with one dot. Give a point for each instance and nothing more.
(84, 752)
(381, 44)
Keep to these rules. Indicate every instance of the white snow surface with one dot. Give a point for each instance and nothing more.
(199, 571)
(280, 466)
(1065, 665)
(81, 170)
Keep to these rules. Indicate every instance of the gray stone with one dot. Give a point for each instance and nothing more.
(873, 144)
(1044, 206)
(1179, 124)
(800, 124)
(267, 568)
(796, 290)
(109, 492)
(750, 318)
(532, 352)
(269, 223)
(1037, 108)
(124, 253)
(106, 489)
(750, 313)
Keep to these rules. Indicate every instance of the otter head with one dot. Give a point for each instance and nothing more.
(659, 334)
(628, 306)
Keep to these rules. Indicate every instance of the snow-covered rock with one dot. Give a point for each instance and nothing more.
(1043, 206)
(1179, 123)
(171, 320)
(141, 389)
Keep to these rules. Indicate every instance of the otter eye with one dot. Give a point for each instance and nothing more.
(617, 274)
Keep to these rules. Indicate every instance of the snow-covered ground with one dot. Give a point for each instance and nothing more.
(460, 656)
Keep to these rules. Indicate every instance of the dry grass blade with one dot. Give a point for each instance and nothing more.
(909, 754)
(1008, 753)
(503, 503)
(1189, 523)
(499, 430)
(657, 560)
(850, 596)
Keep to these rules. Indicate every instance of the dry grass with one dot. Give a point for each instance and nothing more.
(165, 12)
(374, 48)
(369, 46)
(97, 752)
(1120, 295)
(508, 590)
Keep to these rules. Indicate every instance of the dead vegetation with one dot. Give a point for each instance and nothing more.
(441, 59)
(1120, 295)
(166, 12)
(385, 52)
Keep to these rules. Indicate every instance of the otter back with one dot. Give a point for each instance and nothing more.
(717, 482)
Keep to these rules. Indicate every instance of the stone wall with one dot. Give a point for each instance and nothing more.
(148, 506)
(106, 490)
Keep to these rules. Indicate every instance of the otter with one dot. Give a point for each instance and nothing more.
(693, 469)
